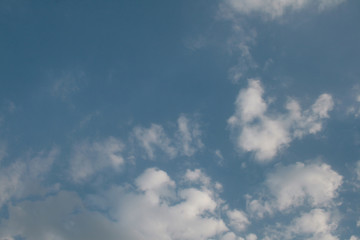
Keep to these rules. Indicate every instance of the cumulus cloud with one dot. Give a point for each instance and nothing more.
(314, 184)
(238, 220)
(156, 208)
(186, 141)
(22, 177)
(317, 224)
(272, 9)
(88, 158)
(255, 130)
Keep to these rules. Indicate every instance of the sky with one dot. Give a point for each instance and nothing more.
(180, 120)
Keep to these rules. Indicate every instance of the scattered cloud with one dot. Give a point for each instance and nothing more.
(272, 9)
(156, 208)
(88, 157)
(238, 220)
(317, 224)
(186, 141)
(154, 138)
(22, 177)
(313, 184)
(255, 130)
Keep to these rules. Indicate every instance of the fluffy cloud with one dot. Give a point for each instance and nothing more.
(277, 8)
(238, 220)
(156, 207)
(186, 140)
(22, 177)
(89, 157)
(315, 225)
(315, 184)
(257, 131)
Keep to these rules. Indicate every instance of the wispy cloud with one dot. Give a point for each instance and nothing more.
(272, 9)
(90, 157)
(185, 141)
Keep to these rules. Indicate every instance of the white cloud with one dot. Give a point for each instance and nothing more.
(255, 130)
(315, 184)
(188, 136)
(186, 140)
(157, 208)
(276, 8)
(22, 177)
(152, 138)
(238, 220)
(251, 236)
(231, 236)
(89, 157)
(315, 225)
(354, 237)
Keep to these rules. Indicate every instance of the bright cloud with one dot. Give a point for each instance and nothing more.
(315, 225)
(266, 134)
(315, 184)
(238, 220)
(157, 208)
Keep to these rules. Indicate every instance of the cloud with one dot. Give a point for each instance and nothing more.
(188, 136)
(238, 220)
(357, 170)
(67, 84)
(255, 130)
(186, 141)
(22, 177)
(152, 138)
(317, 224)
(272, 9)
(87, 158)
(156, 208)
(314, 184)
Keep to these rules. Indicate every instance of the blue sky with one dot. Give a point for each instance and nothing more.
(224, 119)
